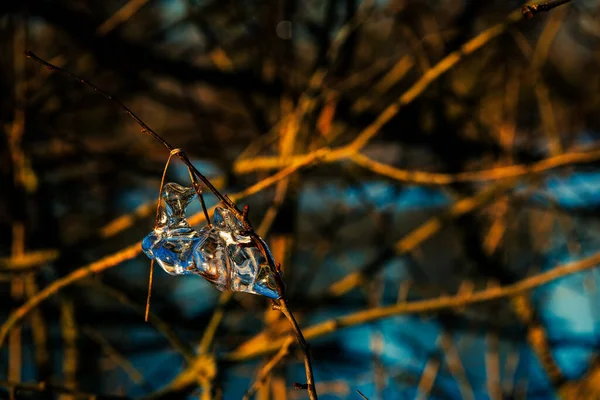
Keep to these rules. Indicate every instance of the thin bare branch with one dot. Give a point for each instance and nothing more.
(531, 10)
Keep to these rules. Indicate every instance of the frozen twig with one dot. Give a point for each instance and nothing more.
(225, 200)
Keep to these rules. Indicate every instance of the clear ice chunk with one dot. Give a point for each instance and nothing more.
(250, 270)
(210, 259)
(172, 241)
(221, 253)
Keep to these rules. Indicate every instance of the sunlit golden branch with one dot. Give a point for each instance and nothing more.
(538, 338)
(486, 175)
(455, 366)
(258, 163)
(95, 267)
(70, 359)
(428, 378)
(27, 261)
(39, 327)
(492, 366)
(122, 15)
(423, 232)
(424, 306)
(268, 367)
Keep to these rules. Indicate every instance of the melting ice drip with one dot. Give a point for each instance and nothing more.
(221, 253)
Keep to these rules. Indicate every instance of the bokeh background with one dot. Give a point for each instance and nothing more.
(438, 158)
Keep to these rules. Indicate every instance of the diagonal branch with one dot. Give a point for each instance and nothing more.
(424, 306)
(406, 98)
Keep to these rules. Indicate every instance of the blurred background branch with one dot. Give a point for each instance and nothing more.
(426, 173)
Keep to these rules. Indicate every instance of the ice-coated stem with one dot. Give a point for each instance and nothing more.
(227, 203)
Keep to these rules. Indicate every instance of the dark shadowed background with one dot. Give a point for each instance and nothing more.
(436, 186)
